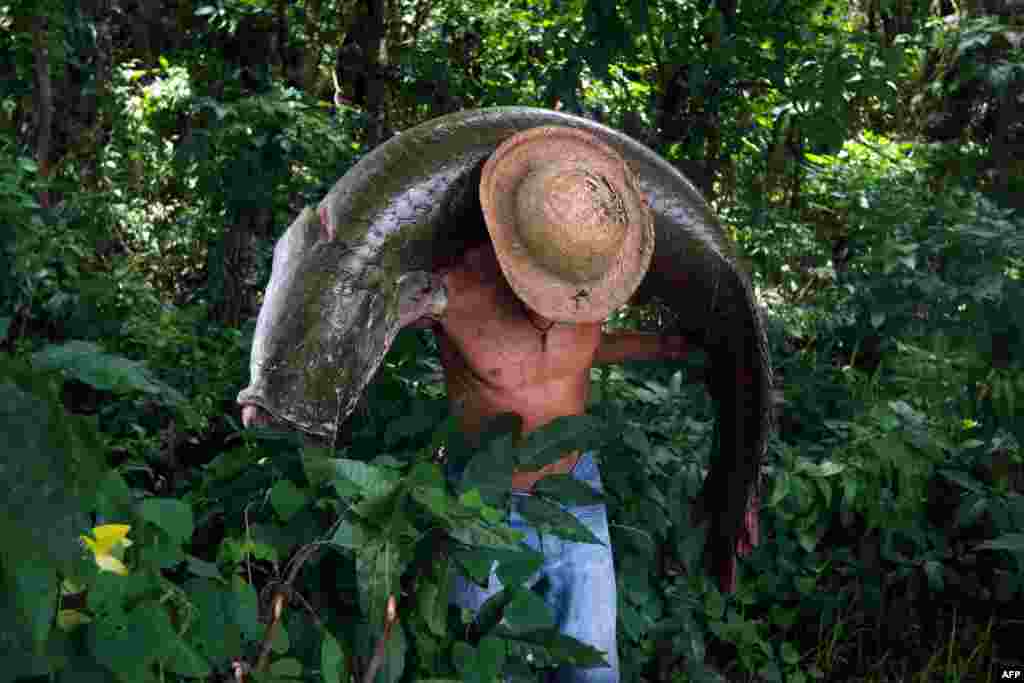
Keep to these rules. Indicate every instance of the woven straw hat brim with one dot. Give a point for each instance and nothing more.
(543, 291)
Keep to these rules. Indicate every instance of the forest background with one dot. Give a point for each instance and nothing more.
(867, 157)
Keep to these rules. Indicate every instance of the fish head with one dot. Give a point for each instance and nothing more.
(329, 315)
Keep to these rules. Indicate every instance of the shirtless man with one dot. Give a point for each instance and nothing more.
(502, 355)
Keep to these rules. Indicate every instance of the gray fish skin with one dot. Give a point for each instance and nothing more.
(331, 308)
(325, 327)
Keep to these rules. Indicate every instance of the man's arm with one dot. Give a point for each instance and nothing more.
(616, 347)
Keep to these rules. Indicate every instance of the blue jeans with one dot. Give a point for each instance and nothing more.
(581, 581)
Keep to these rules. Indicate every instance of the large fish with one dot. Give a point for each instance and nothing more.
(348, 276)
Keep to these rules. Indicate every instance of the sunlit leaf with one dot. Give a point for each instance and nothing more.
(88, 363)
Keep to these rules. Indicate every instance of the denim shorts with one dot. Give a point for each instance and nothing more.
(581, 581)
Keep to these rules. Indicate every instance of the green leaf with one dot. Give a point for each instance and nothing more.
(790, 655)
(431, 607)
(114, 498)
(36, 596)
(87, 363)
(215, 633)
(527, 612)
(245, 608)
(936, 575)
(288, 667)
(552, 519)
(563, 434)
(567, 490)
(176, 655)
(476, 533)
(637, 440)
(287, 499)
(514, 566)
(126, 645)
(207, 570)
(371, 480)
(51, 464)
(552, 647)
(490, 472)
(464, 656)
(280, 643)
(173, 516)
(490, 655)
(333, 663)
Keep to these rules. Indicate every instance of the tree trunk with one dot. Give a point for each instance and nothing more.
(371, 39)
(43, 103)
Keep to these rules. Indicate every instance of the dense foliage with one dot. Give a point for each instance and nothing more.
(864, 156)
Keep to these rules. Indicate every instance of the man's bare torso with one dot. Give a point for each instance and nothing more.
(497, 357)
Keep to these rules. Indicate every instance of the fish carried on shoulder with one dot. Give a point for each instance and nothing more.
(349, 275)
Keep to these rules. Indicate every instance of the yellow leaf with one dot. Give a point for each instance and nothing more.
(109, 537)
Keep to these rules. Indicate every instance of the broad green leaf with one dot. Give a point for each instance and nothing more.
(288, 667)
(88, 363)
(36, 596)
(527, 612)
(637, 440)
(114, 498)
(476, 533)
(333, 663)
(51, 464)
(490, 655)
(560, 436)
(437, 500)
(490, 472)
(215, 633)
(464, 656)
(175, 654)
(287, 499)
(378, 570)
(514, 566)
(552, 519)
(371, 480)
(567, 490)
(477, 563)
(126, 645)
(280, 643)
(550, 646)
(173, 516)
(433, 612)
(936, 575)
(345, 536)
(245, 608)
(207, 570)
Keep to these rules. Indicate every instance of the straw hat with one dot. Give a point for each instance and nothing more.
(570, 227)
